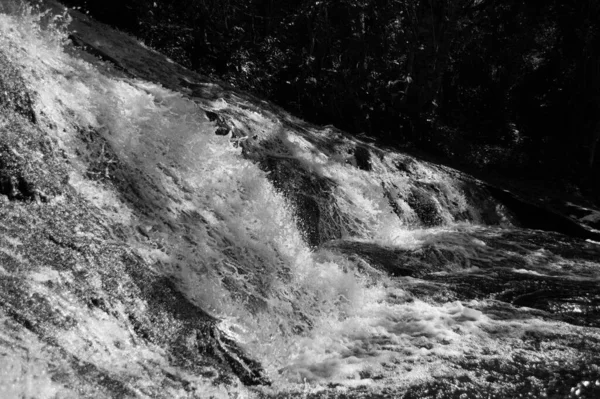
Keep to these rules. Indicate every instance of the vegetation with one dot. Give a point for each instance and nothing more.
(511, 85)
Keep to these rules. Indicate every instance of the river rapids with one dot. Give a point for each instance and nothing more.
(340, 267)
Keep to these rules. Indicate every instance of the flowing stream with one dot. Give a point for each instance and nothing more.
(343, 268)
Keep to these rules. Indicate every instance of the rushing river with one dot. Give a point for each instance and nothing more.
(342, 267)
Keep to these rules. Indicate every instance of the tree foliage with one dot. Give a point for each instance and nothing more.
(504, 84)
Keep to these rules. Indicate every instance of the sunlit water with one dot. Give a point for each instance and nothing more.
(380, 303)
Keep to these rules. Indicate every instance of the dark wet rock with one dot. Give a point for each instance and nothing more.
(389, 196)
(248, 370)
(401, 262)
(404, 165)
(438, 202)
(484, 208)
(585, 215)
(24, 176)
(363, 158)
(109, 384)
(223, 128)
(421, 201)
(196, 334)
(307, 210)
(538, 216)
(425, 207)
(96, 51)
(310, 195)
(212, 116)
(14, 95)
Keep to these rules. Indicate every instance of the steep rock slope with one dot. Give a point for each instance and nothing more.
(83, 315)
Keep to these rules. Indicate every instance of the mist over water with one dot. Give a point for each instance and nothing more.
(406, 266)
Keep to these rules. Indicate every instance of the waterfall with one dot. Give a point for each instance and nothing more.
(336, 264)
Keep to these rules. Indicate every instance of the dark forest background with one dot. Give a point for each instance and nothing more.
(509, 86)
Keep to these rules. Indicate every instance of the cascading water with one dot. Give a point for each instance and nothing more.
(339, 266)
